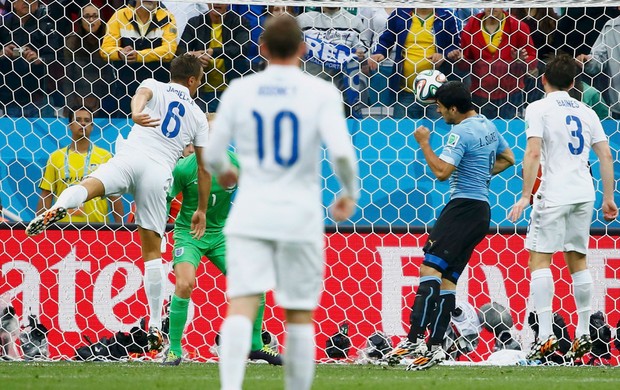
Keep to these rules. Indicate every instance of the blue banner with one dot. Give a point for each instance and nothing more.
(398, 189)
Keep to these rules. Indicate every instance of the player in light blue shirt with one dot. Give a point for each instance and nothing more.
(474, 152)
(472, 149)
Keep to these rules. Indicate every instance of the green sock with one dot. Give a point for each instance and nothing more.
(178, 317)
(257, 328)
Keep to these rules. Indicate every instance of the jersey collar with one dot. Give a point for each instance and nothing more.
(558, 94)
(181, 87)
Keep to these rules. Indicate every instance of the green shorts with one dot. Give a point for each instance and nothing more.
(189, 250)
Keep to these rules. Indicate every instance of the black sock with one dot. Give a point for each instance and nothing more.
(425, 302)
(442, 316)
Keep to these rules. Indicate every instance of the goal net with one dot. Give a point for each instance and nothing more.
(85, 279)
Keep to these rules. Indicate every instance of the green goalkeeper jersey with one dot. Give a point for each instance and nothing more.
(185, 180)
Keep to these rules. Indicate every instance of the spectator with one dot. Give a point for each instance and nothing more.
(88, 73)
(66, 12)
(421, 38)
(497, 48)
(69, 165)
(255, 16)
(578, 28)
(274, 10)
(545, 38)
(219, 38)
(140, 41)
(375, 18)
(605, 57)
(591, 96)
(29, 44)
(183, 12)
(337, 41)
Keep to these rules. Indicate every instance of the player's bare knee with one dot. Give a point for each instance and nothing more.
(94, 187)
(425, 270)
(183, 288)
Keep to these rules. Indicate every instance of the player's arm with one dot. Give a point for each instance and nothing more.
(138, 103)
(216, 155)
(504, 160)
(531, 163)
(610, 210)
(118, 211)
(335, 134)
(441, 169)
(204, 188)
(45, 201)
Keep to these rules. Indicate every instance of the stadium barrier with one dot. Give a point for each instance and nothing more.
(397, 188)
(88, 282)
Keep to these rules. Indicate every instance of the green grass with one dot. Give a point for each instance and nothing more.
(117, 376)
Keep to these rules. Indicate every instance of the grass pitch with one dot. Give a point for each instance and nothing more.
(117, 376)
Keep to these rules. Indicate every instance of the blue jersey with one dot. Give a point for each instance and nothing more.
(472, 148)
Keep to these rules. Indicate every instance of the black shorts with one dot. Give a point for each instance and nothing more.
(461, 226)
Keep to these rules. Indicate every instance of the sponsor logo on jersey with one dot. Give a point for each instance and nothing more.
(453, 139)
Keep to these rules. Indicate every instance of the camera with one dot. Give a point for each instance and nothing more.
(18, 51)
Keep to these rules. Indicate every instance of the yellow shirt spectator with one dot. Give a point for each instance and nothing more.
(216, 69)
(67, 167)
(419, 45)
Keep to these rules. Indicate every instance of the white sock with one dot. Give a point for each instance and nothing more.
(582, 290)
(72, 197)
(299, 357)
(235, 343)
(542, 290)
(154, 288)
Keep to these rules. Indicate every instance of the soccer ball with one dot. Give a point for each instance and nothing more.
(426, 85)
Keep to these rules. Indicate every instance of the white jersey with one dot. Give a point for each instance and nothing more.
(568, 129)
(181, 122)
(277, 119)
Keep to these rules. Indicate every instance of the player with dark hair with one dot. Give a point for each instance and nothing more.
(473, 153)
(561, 131)
(275, 232)
(166, 119)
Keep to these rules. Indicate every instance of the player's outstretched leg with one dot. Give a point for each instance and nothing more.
(42, 221)
(259, 351)
(70, 198)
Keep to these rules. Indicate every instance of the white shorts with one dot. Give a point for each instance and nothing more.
(559, 228)
(294, 269)
(146, 180)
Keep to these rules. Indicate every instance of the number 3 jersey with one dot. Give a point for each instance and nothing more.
(568, 129)
(277, 120)
(181, 122)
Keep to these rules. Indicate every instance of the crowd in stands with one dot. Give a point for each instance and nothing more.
(95, 53)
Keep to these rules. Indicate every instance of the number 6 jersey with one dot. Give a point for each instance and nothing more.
(568, 129)
(181, 122)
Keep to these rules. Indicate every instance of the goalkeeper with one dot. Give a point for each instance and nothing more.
(188, 252)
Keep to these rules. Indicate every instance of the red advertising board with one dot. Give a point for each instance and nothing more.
(86, 282)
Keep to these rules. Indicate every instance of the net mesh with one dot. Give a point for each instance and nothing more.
(87, 280)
